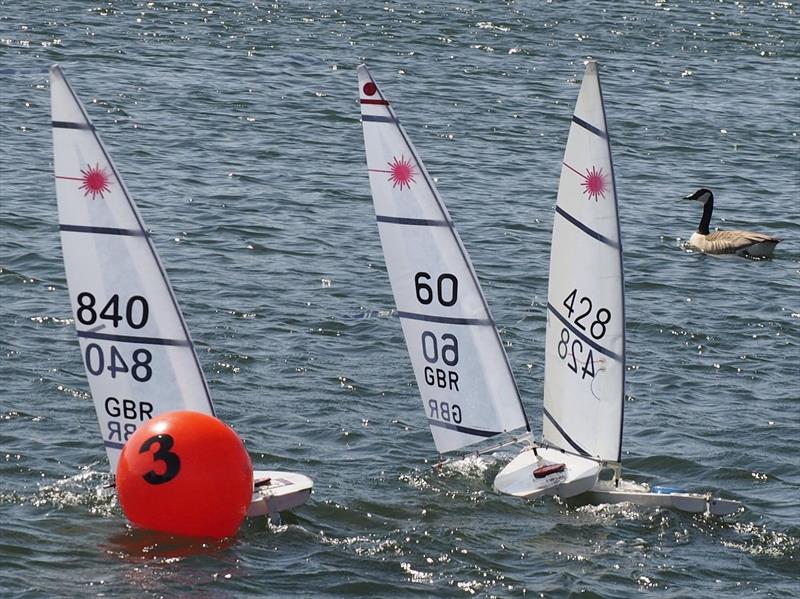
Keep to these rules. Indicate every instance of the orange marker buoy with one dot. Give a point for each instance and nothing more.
(185, 473)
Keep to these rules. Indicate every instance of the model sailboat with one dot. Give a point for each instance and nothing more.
(467, 387)
(139, 357)
(585, 342)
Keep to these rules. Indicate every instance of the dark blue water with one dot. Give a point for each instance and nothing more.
(236, 127)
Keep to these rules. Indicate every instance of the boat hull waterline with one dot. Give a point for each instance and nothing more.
(607, 492)
(578, 482)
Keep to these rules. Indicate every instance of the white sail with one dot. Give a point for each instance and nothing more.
(467, 387)
(136, 348)
(585, 344)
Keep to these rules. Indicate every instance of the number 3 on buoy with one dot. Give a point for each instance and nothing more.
(171, 460)
(185, 473)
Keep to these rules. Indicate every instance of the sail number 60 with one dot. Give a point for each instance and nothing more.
(446, 289)
(432, 351)
(447, 352)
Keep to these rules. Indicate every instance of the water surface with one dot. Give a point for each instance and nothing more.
(236, 127)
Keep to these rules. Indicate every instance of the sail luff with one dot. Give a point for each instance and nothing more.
(621, 269)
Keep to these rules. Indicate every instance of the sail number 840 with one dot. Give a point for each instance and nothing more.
(139, 368)
(136, 310)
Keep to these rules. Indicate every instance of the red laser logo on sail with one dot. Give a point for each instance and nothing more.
(401, 172)
(95, 181)
(594, 183)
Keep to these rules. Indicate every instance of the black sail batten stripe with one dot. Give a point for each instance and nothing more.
(589, 127)
(420, 222)
(459, 244)
(463, 429)
(134, 339)
(103, 230)
(590, 232)
(69, 125)
(446, 319)
(583, 337)
(564, 434)
(113, 444)
(154, 253)
(373, 118)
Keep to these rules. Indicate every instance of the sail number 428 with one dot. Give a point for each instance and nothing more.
(565, 350)
(596, 327)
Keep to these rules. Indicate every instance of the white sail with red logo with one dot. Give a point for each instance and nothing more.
(136, 349)
(585, 341)
(467, 387)
(584, 345)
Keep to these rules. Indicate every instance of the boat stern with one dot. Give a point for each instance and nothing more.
(276, 492)
(537, 472)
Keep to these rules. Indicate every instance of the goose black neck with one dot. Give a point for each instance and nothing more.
(708, 208)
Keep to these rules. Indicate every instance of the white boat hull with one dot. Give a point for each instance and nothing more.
(277, 492)
(644, 495)
(518, 478)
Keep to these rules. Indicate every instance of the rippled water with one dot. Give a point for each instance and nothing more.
(236, 127)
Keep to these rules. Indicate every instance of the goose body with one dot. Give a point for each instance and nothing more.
(743, 243)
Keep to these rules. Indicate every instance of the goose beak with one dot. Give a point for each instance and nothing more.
(689, 197)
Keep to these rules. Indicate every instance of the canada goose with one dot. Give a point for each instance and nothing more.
(743, 243)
